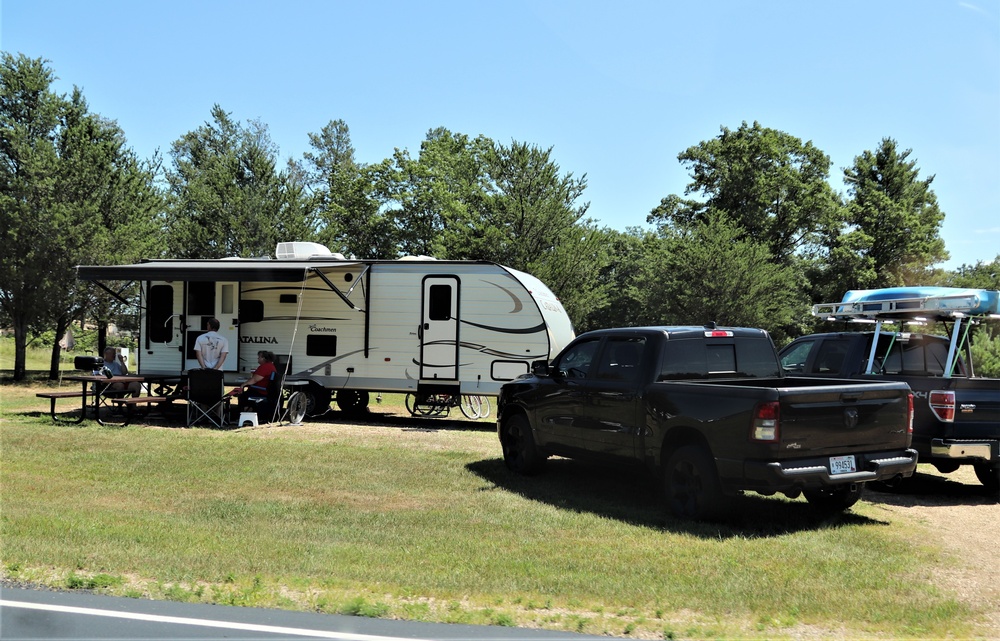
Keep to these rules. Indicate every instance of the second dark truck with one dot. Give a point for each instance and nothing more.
(709, 413)
(957, 415)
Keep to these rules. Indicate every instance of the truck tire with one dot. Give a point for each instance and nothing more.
(691, 485)
(520, 454)
(837, 498)
(989, 475)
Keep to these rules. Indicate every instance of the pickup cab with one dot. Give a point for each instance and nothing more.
(957, 414)
(709, 413)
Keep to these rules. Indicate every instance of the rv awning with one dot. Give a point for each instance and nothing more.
(283, 271)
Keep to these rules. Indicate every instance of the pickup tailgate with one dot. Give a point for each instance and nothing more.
(825, 416)
(977, 408)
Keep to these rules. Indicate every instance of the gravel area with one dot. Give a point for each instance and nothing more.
(964, 522)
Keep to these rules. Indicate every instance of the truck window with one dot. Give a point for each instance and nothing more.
(918, 355)
(795, 360)
(620, 359)
(830, 358)
(575, 363)
(694, 358)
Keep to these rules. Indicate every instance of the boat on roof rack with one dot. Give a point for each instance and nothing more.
(917, 303)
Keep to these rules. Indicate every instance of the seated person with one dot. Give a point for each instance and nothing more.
(256, 386)
(115, 363)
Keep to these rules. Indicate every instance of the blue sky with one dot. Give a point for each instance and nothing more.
(617, 89)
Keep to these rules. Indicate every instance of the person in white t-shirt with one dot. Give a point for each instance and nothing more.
(211, 348)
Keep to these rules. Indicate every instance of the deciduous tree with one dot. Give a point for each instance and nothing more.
(768, 183)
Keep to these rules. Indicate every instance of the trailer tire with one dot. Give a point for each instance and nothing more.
(989, 475)
(352, 401)
(691, 485)
(837, 498)
(317, 399)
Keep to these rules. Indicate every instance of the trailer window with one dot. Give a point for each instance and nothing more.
(320, 345)
(160, 325)
(440, 303)
(251, 311)
(201, 298)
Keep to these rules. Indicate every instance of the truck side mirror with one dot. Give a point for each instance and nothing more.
(540, 368)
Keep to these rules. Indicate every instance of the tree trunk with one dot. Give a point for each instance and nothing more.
(20, 346)
(102, 336)
(61, 324)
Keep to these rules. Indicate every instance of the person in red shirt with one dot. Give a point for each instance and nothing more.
(256, 386)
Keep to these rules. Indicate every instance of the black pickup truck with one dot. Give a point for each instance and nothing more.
(708, 411)
(957, 417)
(957, 414)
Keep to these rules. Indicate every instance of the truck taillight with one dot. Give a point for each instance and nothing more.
(909, 412)
(766, 423)
(942, 403)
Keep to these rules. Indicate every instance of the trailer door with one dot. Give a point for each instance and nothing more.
(204, 300)
(439, 328)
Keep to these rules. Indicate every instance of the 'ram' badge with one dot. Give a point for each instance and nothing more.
(850, 418)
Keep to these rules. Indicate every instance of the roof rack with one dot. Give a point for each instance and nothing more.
(917, 303)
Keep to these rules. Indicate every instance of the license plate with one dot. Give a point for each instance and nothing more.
(842, 465)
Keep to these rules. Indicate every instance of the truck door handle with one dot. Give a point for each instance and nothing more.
(851, 397)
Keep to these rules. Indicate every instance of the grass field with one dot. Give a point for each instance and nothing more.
(423, 522)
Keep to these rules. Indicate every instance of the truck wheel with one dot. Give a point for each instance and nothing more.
(692, 486)
(352, 401)
(989, 475)
(520, 454)
(835, 499)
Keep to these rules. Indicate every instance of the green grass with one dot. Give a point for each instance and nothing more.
(426, 524)
(37, 357)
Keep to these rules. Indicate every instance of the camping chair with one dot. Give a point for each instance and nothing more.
(206, 397)
(273, 408)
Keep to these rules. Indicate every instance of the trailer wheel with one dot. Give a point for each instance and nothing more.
(352, 400)
(989, 475)
(520, 454)
(835, 499)
(692, 486)
(317, 399)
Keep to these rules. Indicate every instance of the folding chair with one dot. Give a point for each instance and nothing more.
(206, 397)
(273, 408)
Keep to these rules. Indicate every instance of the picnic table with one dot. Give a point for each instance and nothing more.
(96, 389)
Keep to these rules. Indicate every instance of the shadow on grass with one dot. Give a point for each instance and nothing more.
(632, 497)
(932, 491)
(403, 421)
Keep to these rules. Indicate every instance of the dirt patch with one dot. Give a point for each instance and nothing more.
(963, 521)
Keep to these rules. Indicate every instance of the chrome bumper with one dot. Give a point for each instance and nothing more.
(958, 449)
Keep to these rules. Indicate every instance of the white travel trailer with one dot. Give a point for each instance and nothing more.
(348, 327)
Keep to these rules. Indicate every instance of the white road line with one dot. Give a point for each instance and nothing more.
(208, 623)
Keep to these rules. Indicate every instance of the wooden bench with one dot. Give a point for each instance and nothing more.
(130, 402)
(54, 396)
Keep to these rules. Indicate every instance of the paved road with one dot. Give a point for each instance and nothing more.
(40, 614)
